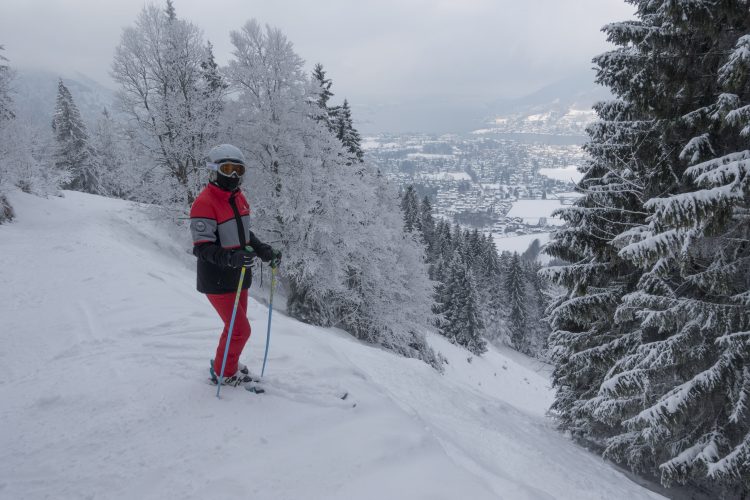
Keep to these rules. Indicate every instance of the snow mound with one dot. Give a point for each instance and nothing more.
(105, 349)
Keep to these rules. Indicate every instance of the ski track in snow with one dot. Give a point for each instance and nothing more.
(105, 348)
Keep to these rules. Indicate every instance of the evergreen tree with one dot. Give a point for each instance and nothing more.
(515, 288)
(214, 81)
(461, 319)
(427, 225)
(650, 341)
(6, 75)
(73, 152)
(325, 94)
(410, 209)
(170, 11)
(346, 132)
(491, 290)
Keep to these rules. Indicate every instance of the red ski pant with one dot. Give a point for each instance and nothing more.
(224, 303)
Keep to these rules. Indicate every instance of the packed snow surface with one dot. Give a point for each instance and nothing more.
(105, 350)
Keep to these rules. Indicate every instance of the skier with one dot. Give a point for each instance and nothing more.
(224, 244)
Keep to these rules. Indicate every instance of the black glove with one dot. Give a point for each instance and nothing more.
(276, 258)
(242, 258)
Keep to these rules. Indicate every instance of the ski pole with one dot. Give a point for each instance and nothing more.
(270, 310)
(231, 327)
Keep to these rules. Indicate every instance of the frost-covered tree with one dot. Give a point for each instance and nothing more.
(73, 153)
(172, 95)
(6, 115)
(651, 339)
(6, 103)
(339, 228)
(114, 157)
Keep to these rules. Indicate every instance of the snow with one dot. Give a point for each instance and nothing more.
(369, 143)
(538, 117)
(520, 243)
(445, 176)
(105, 355)
(533, 210)
(567, 174)
(429, 156)
(375, 143)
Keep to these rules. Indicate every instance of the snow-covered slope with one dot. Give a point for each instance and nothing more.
(105, 346)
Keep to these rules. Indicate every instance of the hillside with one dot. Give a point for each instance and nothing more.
(105, 346)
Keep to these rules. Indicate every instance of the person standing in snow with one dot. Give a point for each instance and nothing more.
(224, 244)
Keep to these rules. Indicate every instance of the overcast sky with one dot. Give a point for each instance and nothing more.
(380, 52)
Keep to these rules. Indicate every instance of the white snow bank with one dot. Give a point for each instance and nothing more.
(105, 349)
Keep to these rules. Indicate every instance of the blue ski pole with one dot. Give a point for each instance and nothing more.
(270, 311)
(229, 333)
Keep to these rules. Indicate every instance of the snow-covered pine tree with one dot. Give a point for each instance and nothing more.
(346, 132)
(491, 290)
(663, 380)
(170, 11)
(427, 225)
(170, 93)
(515, 289)
(537, 329)
(73, 153)
(683, 393)
(6, 103)
(410, 209)
(586, 340)
(215, 84)
(440, 248)
(324, 94)
(461, 320)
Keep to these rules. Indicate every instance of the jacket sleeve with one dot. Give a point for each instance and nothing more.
(213, 253)
(203, 227)
(265, 252)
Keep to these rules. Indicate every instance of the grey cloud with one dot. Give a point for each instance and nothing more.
(375, 51)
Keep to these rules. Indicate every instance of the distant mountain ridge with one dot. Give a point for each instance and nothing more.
(561, 108)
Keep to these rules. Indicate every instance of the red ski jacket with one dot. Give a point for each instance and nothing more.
(220, 223)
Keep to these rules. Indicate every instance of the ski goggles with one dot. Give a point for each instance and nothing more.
(228, 169)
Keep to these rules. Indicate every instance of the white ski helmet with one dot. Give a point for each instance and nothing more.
(223, 153)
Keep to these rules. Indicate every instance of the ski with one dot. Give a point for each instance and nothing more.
(254, 388)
